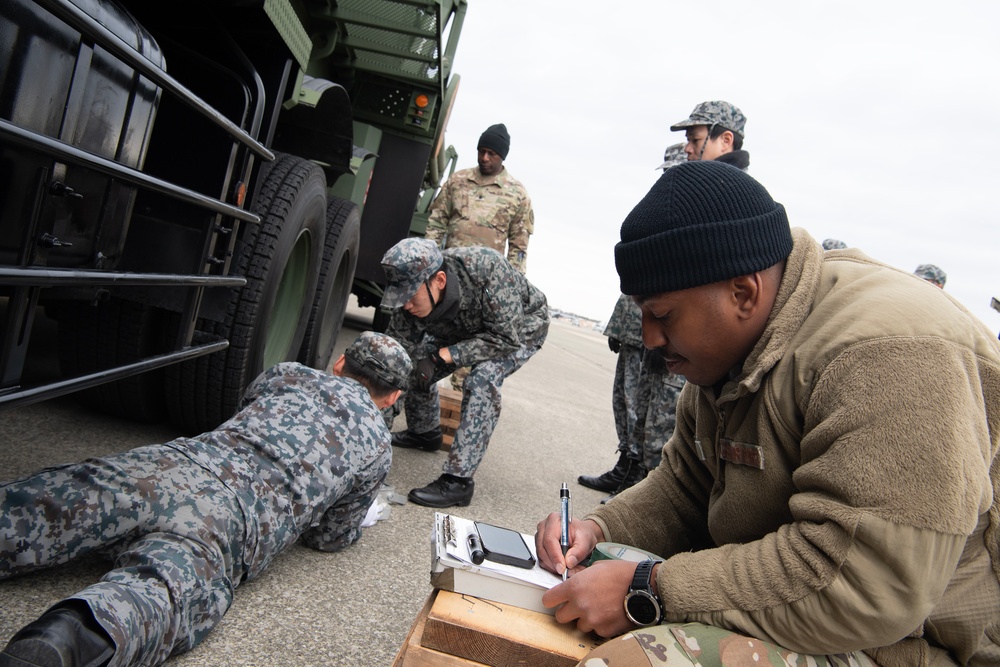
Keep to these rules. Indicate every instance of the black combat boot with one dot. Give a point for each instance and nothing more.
(636, 473)
(446, 491)
(67, 636)
(429, 441)
(610, 480)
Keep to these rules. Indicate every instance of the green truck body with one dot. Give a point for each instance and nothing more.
(190, 191)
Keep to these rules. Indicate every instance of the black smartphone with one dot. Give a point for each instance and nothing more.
(502, 545)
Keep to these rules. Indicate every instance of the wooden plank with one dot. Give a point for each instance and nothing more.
(413, 654)
(451, 415)
(500, 635)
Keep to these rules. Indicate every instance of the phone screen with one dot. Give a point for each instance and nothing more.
(502, 545)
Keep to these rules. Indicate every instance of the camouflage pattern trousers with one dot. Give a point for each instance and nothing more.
(625, 396)
(176, 534)
(656, 408)
(694, 644)
(481, 402)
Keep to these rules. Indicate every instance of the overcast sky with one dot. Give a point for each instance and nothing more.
(872, 122)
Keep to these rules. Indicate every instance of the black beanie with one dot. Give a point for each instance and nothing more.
(700, 223)
(496, 139)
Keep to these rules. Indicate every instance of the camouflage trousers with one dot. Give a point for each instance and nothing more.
(176, 534)
(624, 397)
(481, 402)
(656, 408)
(694, 644)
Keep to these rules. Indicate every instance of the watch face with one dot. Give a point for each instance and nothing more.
(642, 608)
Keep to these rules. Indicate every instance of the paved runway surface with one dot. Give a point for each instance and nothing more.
(353, 608)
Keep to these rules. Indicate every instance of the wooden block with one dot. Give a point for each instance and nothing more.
(451, 415)
(413, 654)
(500, 635)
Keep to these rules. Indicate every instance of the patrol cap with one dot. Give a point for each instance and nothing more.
(715, 112)
(672, 156)
(932, 274)
(383, 356)
(407, 265)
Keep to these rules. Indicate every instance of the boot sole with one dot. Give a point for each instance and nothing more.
(424, 503)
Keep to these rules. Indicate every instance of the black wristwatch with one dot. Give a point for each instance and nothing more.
(642, 604)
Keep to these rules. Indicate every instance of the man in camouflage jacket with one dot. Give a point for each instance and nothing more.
(485, 205)
(190, 520)
(460, 307)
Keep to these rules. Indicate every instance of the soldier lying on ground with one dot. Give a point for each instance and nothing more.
(190, 520)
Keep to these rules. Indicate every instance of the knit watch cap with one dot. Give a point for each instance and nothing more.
(383, 356)
(701, 222)
(407, 265)
(496, 139)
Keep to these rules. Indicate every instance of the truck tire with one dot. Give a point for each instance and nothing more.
(266, 319)
(380, 320)
(113, 333)
(336, 275)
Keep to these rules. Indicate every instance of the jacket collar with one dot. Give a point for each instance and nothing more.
(798, 288)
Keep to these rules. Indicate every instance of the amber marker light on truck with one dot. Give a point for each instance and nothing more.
(421, 101)
(241, 193)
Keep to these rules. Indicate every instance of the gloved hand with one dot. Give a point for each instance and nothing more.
(614, 344)
(425, 373)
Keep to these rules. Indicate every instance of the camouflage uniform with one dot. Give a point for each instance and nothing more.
(656, 408)
(625, 326)
(932, 274)
(489, 211)
(188, 521)
(714, 112)
(694, 644)
(496, 321)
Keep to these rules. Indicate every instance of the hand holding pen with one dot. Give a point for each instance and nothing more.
(584, 534)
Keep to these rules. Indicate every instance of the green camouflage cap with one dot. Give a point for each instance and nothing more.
(932, 274)
(715, 112)
(674, 155)
(407, 265)
(383, 356)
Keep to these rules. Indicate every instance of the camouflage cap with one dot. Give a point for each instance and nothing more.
(407, 265)
(674, 155)
(383, 356)
(715, 112)
(932, 274)
(833, 244)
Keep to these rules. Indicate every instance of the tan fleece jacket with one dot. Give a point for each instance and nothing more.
(841, 492)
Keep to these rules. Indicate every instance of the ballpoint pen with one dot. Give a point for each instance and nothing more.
(564, 515)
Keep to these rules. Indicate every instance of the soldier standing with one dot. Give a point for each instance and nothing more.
(654, 391)
(460, 307)
(190, 520)
(714, 131)
(485, 206)
(624, 332)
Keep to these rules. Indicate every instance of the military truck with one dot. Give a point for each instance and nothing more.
(190, 191)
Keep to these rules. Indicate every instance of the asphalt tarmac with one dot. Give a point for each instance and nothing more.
(354, 607)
